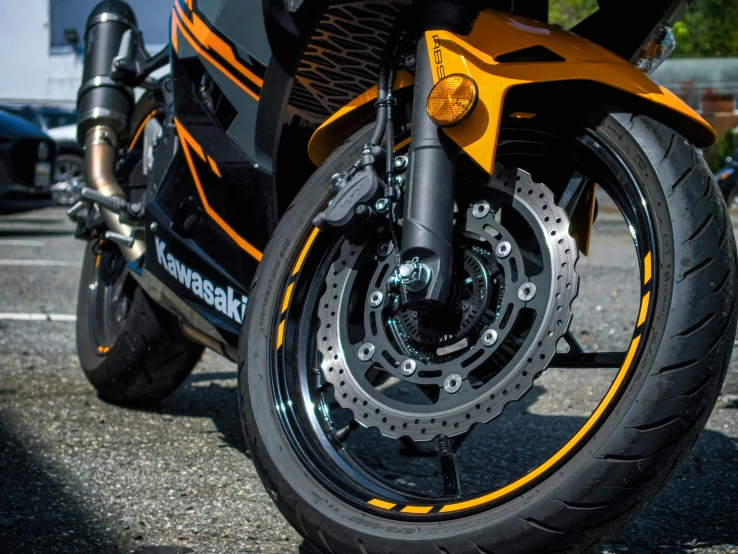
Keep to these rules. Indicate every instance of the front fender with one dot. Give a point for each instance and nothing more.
(497, 38)
(497, 54)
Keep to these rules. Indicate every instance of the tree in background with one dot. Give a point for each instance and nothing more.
(568, 13)
(709, 28)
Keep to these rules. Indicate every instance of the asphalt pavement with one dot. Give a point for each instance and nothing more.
(81, 476)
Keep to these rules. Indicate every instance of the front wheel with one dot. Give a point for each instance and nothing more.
(379, 429)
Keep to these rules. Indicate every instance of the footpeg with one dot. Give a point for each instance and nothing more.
(112, 203)
(120, 239)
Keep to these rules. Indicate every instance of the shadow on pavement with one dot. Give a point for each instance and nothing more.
(37, 514)
(696, 509)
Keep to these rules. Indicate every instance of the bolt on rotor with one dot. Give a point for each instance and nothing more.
(526, 292)
(375, 299)
(366, 352)
(503, 249)
(408, 367)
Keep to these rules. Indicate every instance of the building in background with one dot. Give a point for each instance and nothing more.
(709, 85)
(41, 43)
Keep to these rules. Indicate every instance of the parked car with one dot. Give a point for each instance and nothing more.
(60, 123)
(27, 157)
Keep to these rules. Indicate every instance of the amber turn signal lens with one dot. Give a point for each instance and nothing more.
(452, 99)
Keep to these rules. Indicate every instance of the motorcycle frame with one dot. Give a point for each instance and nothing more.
(224, 174)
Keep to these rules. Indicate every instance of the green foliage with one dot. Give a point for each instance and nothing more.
(725, 146)
(568, 13)
(708, 29)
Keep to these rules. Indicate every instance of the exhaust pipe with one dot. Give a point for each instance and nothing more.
(104, 108)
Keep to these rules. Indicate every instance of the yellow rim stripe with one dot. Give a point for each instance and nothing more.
(417, 509)
(540, 470)
(303, 254)
(644, 308)
(382, 504)
(287, 296)
(280, 334)
(647, 269)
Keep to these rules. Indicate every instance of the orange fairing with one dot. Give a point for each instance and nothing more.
(495, 34)
(345, 121)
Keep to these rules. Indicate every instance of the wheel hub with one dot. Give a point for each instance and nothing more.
(513, 284)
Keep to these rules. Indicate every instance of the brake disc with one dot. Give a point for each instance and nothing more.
(465, 377)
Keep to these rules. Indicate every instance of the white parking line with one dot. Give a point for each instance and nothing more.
(36, 317)
(16, 242)
(46, 263)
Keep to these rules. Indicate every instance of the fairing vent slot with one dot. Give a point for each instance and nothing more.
(528, 55)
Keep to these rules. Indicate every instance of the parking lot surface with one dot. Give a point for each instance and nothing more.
(81, 476)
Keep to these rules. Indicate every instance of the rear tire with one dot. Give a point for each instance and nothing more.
(149, 358)
(620, 467)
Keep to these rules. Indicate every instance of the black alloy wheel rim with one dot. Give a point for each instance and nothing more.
(302, 414)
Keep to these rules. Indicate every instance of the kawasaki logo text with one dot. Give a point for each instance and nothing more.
(225, 301)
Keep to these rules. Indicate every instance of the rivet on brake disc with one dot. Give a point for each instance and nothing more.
(480, 209)
(452, 383)
(489, 338)
(526, 292)
(366, 352)
(375, 299)
(503, 249)
(408, 367)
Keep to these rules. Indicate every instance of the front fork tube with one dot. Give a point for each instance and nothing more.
(427, 228)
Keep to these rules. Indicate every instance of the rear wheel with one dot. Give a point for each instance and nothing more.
(359, 413)
(130, 349)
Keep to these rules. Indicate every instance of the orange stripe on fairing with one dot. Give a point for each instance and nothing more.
(189, 142)
(210, 41)
(140, 129)
(647, 268)
(173, 37)
(568, 447)
(214, 166)
(308, 244)
(381, 504)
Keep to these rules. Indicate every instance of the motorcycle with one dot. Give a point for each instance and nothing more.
(419, 281)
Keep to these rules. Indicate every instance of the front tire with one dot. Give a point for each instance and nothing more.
(680, 354)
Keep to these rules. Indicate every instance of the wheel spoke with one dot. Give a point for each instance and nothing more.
(587, 359)
(447, 455)
(572, 192)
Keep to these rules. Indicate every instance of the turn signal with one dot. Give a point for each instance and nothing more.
(452, 99)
